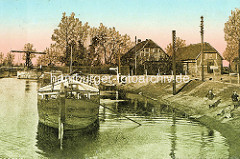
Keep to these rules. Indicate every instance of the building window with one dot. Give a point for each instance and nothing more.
(155, 50)
(147, 50)
(210, 56)
(147, 54)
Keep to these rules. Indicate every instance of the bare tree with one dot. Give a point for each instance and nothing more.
(1, 58)
(108, 43)
(9, 59)
(179, 43)
(71, 33)
(51, 57)
(232, 35)
(99, 38)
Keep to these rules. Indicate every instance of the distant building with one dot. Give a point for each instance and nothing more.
(191, 58)
(235, 65)
(149, 56)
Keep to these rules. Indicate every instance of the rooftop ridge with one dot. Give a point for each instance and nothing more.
(193, 45)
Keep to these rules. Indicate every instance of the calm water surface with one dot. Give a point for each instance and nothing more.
(162, 134)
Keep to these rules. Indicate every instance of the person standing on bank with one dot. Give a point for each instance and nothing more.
(210, 97)
(235, 99)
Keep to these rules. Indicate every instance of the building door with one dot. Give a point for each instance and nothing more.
(210, 63)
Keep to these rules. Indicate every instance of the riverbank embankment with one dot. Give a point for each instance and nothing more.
(192, 99)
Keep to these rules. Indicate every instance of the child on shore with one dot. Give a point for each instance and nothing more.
(235, 99)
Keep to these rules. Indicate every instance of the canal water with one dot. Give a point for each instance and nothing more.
(163, 134)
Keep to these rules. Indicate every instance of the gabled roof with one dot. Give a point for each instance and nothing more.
(148, 43)
(193, 51)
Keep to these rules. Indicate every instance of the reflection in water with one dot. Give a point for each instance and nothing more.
(194, 140)
(232, 136)
(138, 108)
(142, 108)
(207, 137)
(173, 137)
(27, 86)
(75, 144)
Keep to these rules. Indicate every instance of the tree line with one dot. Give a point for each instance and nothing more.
(6, 60)
(88, 46)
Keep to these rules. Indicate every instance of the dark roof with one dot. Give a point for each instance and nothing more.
(148, 43)
(192, 52)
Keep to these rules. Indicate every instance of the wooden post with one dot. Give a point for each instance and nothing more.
(70, 69)
(62, 104)
(135, 104)
(60, 135)
(238, 71)
(104, 112)
(214, 75)
(135, 64)
(119, 60)
(61, 115)
(174, 60)
(202, 45)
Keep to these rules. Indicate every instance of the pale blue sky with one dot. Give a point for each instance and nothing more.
(34, 20)
(124, 12)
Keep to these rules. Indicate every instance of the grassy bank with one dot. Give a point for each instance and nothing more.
(192, 97)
